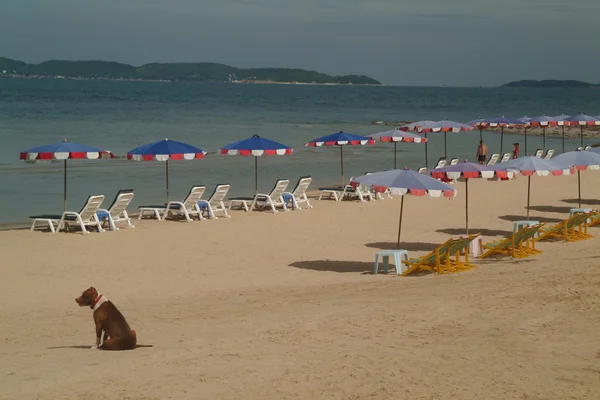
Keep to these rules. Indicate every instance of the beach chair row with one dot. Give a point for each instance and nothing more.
(193, 206)
(352, 191)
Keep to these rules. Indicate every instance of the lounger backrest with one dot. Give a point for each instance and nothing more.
(587, 147)
(303, 184)
(422, 170)
(442, 249)
(121, 201)
(193, 196)
(539, 152)
(454, 161)
(219, 194)
(505, 157)
(549, 154)
(279, 188)
(493, 159)
(92, 205)
(441, 162)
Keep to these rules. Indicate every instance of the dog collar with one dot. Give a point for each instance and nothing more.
(98, 302)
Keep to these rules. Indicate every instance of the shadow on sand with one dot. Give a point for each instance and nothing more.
(335, 266)
(513, 218)
(70, 347)
(484, 232)
(555, 209)
(584, 202)
(410, 246)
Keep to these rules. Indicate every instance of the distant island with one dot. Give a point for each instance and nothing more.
(201, 72)
(551, 83)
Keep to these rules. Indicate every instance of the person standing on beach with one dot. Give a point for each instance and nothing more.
(515, 153)
(482, 152)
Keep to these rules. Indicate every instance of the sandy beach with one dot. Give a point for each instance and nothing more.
(285, 306)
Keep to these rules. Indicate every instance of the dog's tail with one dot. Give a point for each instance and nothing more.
(135, 341)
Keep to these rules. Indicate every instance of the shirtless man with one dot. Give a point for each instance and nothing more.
(482, 152)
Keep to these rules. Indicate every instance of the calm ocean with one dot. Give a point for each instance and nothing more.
(119, 116)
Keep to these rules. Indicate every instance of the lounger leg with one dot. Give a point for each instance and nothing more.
(270, 202)
(285, 209)
(126, 216)
(61, 224)
(111, 223)
(81, 225)
(157, 214)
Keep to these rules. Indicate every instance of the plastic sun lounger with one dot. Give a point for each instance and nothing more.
(272, 200)
(505, 157)
(493, 159)
(572, 229)
(454, 161)
(539, 153)
(117, 212)
(85, 217)
(442, 162)
(215, 203)
(549, 154)
(187, 207)
(431, 262)
(298, 195)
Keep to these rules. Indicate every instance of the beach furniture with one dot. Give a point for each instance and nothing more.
(422, 170)
(454, 161)
(86, 217)
(452, 259)
(586, 147)
(441, 162)
(188, 207)
(385, 256)
(298, 195)
(273, 199)
(572, 229)
(117, 211)
(431, 262)
(215, 203)
(349, 191)
(515, 245)
(493, 159)
(505, 157)
(549, 154)
(539, 153)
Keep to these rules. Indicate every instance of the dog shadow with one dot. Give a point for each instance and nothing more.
(70, 347)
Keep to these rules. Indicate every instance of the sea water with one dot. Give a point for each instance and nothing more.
(120, 116)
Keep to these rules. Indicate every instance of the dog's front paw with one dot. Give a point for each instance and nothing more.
(94, 347)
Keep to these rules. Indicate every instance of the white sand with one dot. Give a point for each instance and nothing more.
(283, 306)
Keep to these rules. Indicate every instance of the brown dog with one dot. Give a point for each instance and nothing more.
(117, 333)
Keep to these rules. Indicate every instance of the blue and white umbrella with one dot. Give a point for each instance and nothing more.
(403, 182)
(582, 120)
(580, 160)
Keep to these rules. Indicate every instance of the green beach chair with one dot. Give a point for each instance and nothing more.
(431, 262)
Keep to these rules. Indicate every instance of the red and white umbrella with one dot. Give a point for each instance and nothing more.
(582, 120)
(398, 135)
(561, 120)
(580, 160)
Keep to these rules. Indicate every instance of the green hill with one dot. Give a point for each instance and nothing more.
(174, 71)
(550, 83)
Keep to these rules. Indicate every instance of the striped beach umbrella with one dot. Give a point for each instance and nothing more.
(256, 146)
(398, 135)
(526, 121)
(444, 126)
(529, 165)
(165, 150)
(403, 182)
(582, 120)
(341, 139)
(64, 150)
(414, 126)
(468, 170)
(501, 122)
(543, 121)
(561, 120)
(580, 160)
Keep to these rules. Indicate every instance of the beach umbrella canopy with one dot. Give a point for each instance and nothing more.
(467, 170)
(256, 146)
(501, 122)
(543, 121)
(403, 182)
(477, 123)
(561, 120)
(64, 150)
(165, 150)
(582, 120)
(444, 126)
(341, 139)
(580, 160)
(526, 121)
(529, 165)
(397, 135)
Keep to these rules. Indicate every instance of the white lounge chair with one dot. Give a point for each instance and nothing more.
(493, 159)
(549, 154)
(454, 161)
(539, 153)
(85, 217)
(188, 207)
(215, 203)
(298, 195)
(272, 200)
(506, 157)
(586, 148)
(422, 170)
(442, 162)
(117, 212)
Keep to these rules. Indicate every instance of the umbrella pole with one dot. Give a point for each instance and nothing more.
(528, 192)
(501, 139)
(342, 163)
(426, 164)
(467, 204)
(563, 138)
(480, 134)
(445, 144)
(544, 138)
(255, 175)
(526, 141)
(581, 135)
(579, 187)
(394, 155)
(65, 186)
(167, 175)
(400, 223)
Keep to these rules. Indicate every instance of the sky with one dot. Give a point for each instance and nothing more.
(398, 42)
